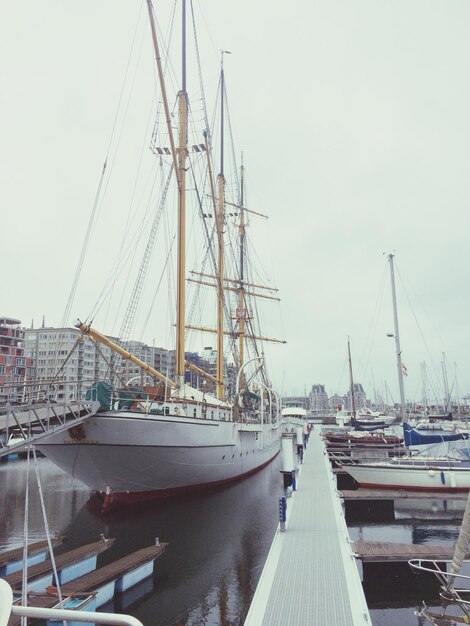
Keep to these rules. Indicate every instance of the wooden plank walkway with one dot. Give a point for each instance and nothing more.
(390, 552)
(89, 583)
(311, 575)
(62, 560)
(8, 556)
(390, 494)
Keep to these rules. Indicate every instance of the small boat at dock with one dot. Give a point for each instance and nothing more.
(413, 473)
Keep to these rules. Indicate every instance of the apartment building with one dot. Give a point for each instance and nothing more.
(67, 362)
(15, 367)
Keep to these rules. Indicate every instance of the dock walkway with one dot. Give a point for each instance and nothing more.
(310, 576)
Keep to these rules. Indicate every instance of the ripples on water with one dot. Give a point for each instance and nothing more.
(218, 543)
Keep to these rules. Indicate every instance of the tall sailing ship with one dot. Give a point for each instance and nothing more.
(170, 437)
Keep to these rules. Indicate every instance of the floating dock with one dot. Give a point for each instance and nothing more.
(102, 583)
(391, 552)
(400, 494)
(311, 576)
(12, 560)
(69, 565)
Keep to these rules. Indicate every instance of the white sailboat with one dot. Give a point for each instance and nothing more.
(420, 473)
(176, 438)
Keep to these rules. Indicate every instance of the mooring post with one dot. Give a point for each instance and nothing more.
(294, 482)
(282, 513)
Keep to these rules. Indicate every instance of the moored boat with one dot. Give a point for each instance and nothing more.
(362, 438)
(180, 438)
(415, 474)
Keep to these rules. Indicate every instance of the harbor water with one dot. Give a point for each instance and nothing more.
(218, 543)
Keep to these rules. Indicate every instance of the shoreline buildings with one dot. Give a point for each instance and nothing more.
(61, 364)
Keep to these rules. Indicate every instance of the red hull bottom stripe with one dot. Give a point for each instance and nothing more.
(117, 499)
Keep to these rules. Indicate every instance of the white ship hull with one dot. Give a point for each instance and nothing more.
(414, 478)
(132, 456)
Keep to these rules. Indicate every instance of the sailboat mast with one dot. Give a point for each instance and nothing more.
(351, 381)
(446, 383)
(181, 237)
(397, 338)
(241, 294)
(220, 251)
(425, 388)
(179, 164)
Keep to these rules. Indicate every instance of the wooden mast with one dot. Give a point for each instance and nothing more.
(219, 220)
(241, 313)
(179, 165)
(181, 263)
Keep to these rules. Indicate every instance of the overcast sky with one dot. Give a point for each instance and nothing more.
(353, 117)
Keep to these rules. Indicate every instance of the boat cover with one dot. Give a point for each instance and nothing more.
(414, 438)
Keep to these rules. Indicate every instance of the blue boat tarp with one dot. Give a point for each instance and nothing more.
(414, 438)
(367, 426)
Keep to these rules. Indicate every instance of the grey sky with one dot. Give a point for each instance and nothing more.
(353, 119)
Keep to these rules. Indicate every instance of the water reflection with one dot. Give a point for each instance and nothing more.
(63, 497)
(218, 541)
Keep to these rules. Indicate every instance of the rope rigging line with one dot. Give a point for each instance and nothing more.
(96, 202)
(24, 582)
(168, 256)
(110, 363)
(198, 59)
(46, 528)
(418, 325)
(132, 212)
(120, 262)
(134, 300)
(365, 357)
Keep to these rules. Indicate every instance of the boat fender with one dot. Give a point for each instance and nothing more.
(443, 478)
(431, 473)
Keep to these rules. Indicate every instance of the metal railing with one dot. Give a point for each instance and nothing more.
(32, 422)
(7, 609)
